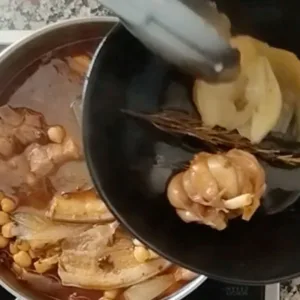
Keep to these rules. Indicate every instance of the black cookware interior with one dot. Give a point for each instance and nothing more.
(130, 162)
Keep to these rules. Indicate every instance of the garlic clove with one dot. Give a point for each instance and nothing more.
(199, 184)
(239, 201)
(176, 194)
(224, 173)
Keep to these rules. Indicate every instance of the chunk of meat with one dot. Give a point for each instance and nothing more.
(33, 129)
(61, 153)
(13, 172)
(38, 159)
(81, 206)
(36, 162)
(7, 146)
(43, 159)
(10, 116)
(19, 128)
(91, 261)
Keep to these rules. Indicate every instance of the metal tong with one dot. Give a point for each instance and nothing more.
(190, 34)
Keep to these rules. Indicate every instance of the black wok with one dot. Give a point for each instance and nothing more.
(131, 162)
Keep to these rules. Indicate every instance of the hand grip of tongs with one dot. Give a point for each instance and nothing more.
(180, 34)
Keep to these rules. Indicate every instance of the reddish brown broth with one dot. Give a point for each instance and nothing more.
(49, 87)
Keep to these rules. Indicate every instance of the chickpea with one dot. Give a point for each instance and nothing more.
(111, 295)
(136, 242)
(7, 230)
(8, 205)
(36, 244)
(32, 254)
(23, 245)
(141, 254)
(16, 268)
(56, 134)
(4, 218)
(42, 267)
(22, 259)
(153, 254)
(13, 248)
(3, 242)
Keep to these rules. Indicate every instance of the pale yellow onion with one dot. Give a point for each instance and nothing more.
(218, 103)
(247, 48)
(184, 274)
(33, 227)
(150, 289)
(213, 100)
(264, 92)
(286, 67)
(79, 207)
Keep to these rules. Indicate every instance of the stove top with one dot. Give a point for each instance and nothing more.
(6, 295)
(214, 290)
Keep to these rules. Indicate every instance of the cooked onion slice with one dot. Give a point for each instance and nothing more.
(82, 206)
(91, 262)
(264, 92)
(150, 289)
(184, 274)
(37, 228)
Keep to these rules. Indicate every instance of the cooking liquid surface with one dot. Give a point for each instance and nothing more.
(49, 86)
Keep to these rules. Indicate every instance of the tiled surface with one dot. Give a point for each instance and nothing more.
(33, 14)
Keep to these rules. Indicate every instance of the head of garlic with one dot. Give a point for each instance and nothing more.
(218, 187)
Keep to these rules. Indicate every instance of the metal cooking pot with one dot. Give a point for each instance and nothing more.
(17, 57)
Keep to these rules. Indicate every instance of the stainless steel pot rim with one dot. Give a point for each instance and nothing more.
(185, 290)
(51, 27)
